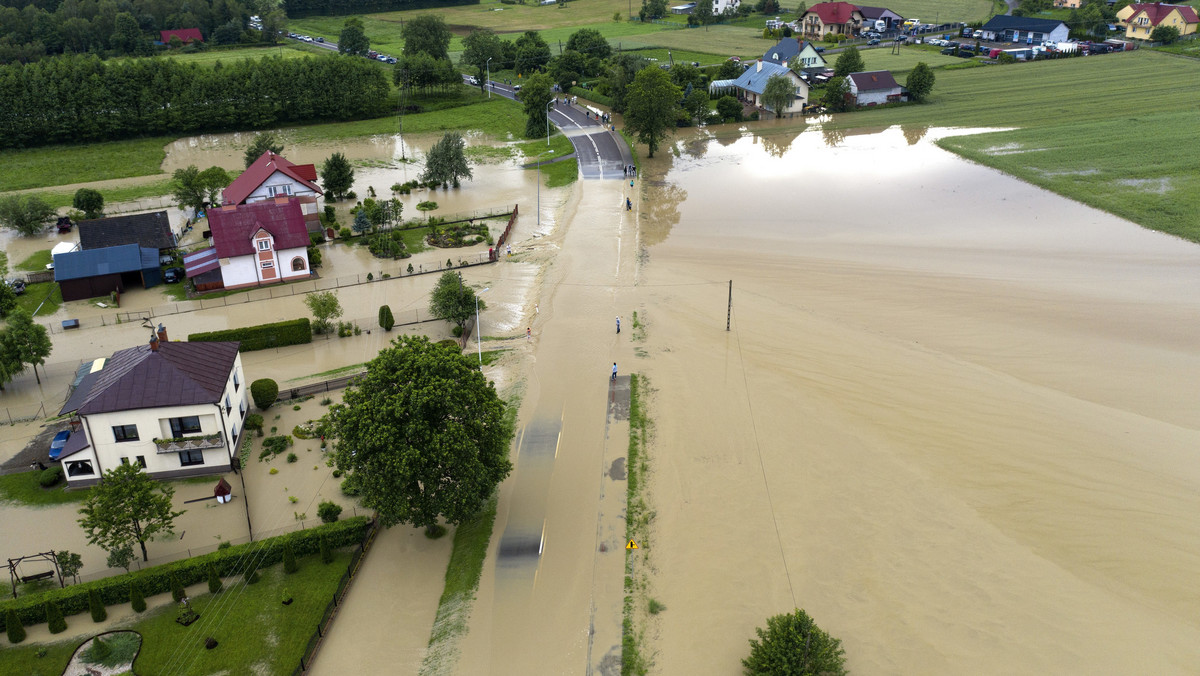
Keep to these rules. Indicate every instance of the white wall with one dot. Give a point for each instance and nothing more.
(283, 262)
(278, 180)
(239, 270)
(876, 96)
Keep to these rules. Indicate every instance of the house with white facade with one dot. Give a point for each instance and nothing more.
(875, 87)
(719, 7)
(175, 409)
(254, 244)
(273, 176)
(752, 83)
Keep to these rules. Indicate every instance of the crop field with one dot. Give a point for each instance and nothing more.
(63, 165)
(288, 49)
(942, 11)
(1147, 176)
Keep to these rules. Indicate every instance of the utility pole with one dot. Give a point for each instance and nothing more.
(729, 310)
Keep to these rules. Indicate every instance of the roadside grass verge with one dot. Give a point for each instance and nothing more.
(1148, 177)
(67, 164)
(257, 634)
(491, 356)
(471, 540)
(634, 661)
(288, 49)
(23, 488)
(36, 261)
(537, 148)
(46, 294)
(562, 173)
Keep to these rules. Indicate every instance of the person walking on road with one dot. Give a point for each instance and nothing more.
(618, 324)
(614, 375)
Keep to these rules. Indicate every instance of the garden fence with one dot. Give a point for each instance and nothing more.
(512, 220)
(331, 609)
(317, 388)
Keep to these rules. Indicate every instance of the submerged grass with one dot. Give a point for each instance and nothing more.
(23, 488)
(637, 528)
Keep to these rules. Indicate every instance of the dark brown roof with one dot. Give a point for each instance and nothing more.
(149, 230)
(873, 80)
(178, 374)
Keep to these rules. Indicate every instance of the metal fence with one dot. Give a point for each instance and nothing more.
(331, 609)
(318, 388)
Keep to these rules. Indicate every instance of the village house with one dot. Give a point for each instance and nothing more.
(151, 231)
(880, 18)
(272, 176)
(100, 272)
(1025, 29)
(176, 409)
(253, 244)
(874, 87)
(839, 18)
(751, 84)
(1140, 20)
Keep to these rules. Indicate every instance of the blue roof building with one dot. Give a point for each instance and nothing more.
(99, 272)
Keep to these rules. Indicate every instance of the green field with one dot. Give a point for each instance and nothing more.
(288, 49)
(1148, 176)
(64, 165)
(900, 64)
(942, 11)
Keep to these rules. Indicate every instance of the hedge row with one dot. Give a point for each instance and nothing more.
(263, 336)
(157, 580)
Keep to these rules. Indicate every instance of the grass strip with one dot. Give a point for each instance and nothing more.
(47, 295)
(24, 488)
(331, 372)
(562, 173)
(637, 528)
(113, 196)
(471, 540)
(36, 261)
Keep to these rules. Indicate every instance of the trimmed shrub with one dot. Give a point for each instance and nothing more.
(54, 618)
(177, 592)
(136, 600)
(289, 559)
(263, 336)
(16, 630)
(254, 422)
(326, 552)
(385, 318)
(264, 391)
(251, 574)
(99, 612)
(214, 580)
(157, 579)
(329, 511)
(50, 476)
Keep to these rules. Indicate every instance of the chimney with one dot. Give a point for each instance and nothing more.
(162, 333)
(153, 342)
(759, 68)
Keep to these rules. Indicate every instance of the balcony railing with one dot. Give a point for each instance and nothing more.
(197, 443)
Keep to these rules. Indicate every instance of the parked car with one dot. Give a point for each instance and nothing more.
(516, 88)
(173, 275)
(964, 53)
(320, 39)
(901, 38)
(819, 49)
(977, 34)
(950, 51)
(873, 41)
(17, 285)
(56, 446)
(391, 59)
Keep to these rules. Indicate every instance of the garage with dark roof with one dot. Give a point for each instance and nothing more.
(151, 230)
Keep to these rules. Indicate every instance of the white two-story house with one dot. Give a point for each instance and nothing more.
(176, 409)
(273, 176)
(259, 243)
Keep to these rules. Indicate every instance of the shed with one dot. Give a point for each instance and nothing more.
(99, 272)
(151, 230)
(874, 87)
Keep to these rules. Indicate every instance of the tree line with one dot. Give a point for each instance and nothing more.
(81, 98)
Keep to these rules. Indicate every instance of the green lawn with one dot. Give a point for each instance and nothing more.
(288, 49)
(1148, 177)
(687, 56)
(34, 294)
(559, 143)
(113, 195)
(255, 635)
(900, 64)
(942, 11)
(66, 164)
(562, 173)
(24, 488)
(36, 262)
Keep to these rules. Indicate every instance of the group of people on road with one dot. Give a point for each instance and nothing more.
(630, 170)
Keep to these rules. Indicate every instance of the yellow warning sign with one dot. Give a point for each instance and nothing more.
(631, 545)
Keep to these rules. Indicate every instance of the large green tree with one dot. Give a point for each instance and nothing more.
(793, 645)
(427, 34)
(480, 47)
(696, 104)
(423, 434)
(849, 61)
(25, 213)
(352, 40)
(836, 96)
(453, 301)
(25, 341)
(532, 53)
(214, 179)
(127, 507)
(590, 42)
(337, 176)
(920, 81)
(568, 69)
(325, 308)
(89, 201)
(188, 188)
(625, 66)
(779, 93)
(650, 106)
(535, 95)
(446, 162)
(263, 141)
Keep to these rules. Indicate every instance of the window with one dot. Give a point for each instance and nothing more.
(236, 381)
(124, 461)
(182, 426)
(125, 432)
(276, 190)
(267, 265)
(80, 468)
(190, 458)
(264, 245)
(297, 264)
(141, 460)
(228, 405)
(241, 409)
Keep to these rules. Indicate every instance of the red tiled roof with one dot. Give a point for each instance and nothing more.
(1158, 11)
(185, 34)
(833, 12)
(233, 227)
(178, 374)
(873, 80)
(261, 170)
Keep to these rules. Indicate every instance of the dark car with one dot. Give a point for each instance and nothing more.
(965, 54)
(819, 49)
(17, 285)
(950, 51)
(172, 275)
(873, 41)
(56, 446)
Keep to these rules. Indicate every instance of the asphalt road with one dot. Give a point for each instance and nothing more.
(602, 152)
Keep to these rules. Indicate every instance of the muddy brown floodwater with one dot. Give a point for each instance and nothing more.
(955, 417)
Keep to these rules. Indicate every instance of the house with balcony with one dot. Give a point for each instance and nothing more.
(272, 176)
(1140, 19)
(174, 408)
(839, 18)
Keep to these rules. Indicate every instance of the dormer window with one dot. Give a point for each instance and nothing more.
(264, 245)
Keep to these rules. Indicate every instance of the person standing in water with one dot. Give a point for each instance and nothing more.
(618, 324)
(614, 375)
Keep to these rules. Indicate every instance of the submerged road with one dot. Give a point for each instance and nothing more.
(601, 151)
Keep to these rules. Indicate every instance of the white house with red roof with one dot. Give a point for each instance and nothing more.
(839, 18)
(263, 242)
(274, 176)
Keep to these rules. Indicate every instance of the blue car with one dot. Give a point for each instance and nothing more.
(56, 446)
